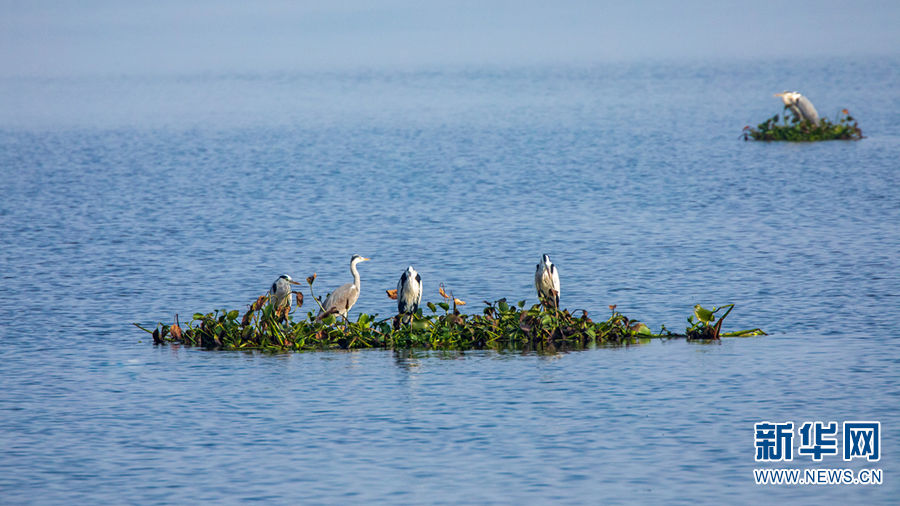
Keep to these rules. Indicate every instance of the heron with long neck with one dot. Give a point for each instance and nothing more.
(344, 297)
(280, 292)
(802, 108)
(546, 281)
(409, 293)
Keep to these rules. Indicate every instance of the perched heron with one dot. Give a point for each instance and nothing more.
(280, 293)
(800, 106)
(546, 278)
(409, 292)
(343, 298)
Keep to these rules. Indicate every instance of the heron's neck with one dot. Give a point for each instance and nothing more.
(355, 275)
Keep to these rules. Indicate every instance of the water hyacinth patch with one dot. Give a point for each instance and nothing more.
(440, 326)
(845, 128)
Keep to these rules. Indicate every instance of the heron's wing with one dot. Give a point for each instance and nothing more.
(807, 110)
(402, 289)
(419, 294)
(543, 280)
(554, 277)
(342, 298)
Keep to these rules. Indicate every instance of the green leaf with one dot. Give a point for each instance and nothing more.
(504, 307)
(432, 307)
(704, 315)
(444, 306)
(233, 314)
(521, 304)
(640, 328)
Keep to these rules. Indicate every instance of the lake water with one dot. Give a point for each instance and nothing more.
(132, 198)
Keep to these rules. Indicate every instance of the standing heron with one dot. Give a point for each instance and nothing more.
(546, 281)
(800, 106)
(409, 293)
(280, 293)
(343, 297)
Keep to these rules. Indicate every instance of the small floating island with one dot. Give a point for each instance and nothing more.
(500, 326)
(803, 124)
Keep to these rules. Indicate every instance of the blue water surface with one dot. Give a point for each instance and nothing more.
(129, 198)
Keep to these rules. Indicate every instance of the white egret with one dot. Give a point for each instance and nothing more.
(800, 106)
(409, 292)
(546, 278)
(280, 293)
(344, 296)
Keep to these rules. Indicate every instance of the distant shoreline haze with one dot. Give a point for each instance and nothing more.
(100, 37)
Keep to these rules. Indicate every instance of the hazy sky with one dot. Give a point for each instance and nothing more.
(89, 36)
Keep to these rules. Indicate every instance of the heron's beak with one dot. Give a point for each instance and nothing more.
(365, 259)
(294, 282)
(778, 94)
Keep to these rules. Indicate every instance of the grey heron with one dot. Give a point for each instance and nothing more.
(800, 106)
(546, 281)
(343, 297)
(280, 293)
(409, 292)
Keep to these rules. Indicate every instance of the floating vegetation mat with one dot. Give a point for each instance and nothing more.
(846, 128)
(500, 326)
